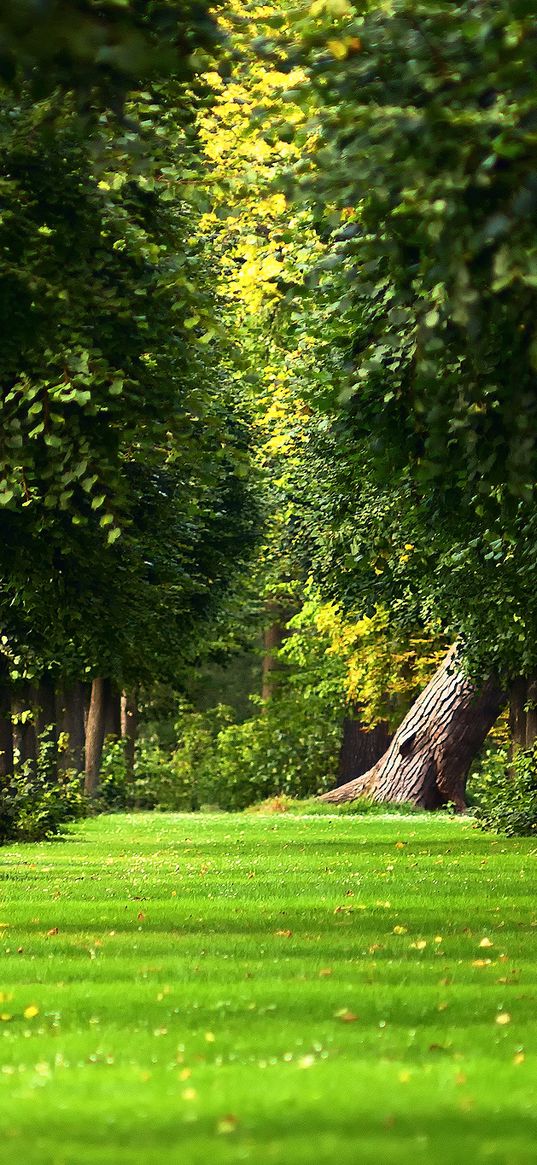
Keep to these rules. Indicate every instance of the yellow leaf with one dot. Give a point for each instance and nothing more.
(519, 1058)
(404, 1077)
(400, 929)
(338, 48)
(210, 1037)
(503, 1018)
(5, 1017)
(227, 1124)
(31, 1011)
(419, 945)
(485, 942)
(189, 1094)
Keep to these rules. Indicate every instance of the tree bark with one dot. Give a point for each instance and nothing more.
(70, 712)
(523, 712)
(361, 748)
(129, 727)
(428, 760)
(6, 728)
(24, 734)
(95, 734)
(112, 714)
(273, 636)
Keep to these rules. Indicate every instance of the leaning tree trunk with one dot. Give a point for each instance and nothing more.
(361, 748)
(95, 734)
(428, 760)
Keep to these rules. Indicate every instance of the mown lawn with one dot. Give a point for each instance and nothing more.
(268, 989)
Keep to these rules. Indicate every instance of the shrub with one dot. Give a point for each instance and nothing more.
(289, 749)
(162, 781)
(34, 805)
(504, 791)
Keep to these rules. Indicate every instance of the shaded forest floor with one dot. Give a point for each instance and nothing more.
(268, 989)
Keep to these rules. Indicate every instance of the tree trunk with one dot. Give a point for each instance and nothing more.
(361, 748)
(95, 734)
(71, 717)
(6, 728)
(46, 726)
(24, 734)
(428, 760)
(523, 712)
(129, 727)
(112, 713)
(273, 636)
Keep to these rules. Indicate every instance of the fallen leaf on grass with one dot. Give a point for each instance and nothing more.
(400, 930)
(519, 1058)
(324, 972)
(283, 933)
(227, 1124)
(485, 942)
(189, 1094)
(53, 930)
(503, 1018)
(31, 1011)
(210, 1037)
(404, 1077)
(345, 1015)
(140, 916)
(481, 962)
(185, 1074)
(419, 945)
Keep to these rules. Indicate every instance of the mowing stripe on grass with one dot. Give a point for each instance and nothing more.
(182, 988)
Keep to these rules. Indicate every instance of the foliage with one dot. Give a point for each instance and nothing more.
(34, 807)
(357, 662)
(419, 168)
(280, 751)
(99, 48)
(504, 790)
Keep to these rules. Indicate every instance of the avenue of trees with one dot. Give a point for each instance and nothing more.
(269, 291)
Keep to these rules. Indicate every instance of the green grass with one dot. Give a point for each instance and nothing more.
(193, 975)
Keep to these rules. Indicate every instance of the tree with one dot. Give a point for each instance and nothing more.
(422, 173)
(429, 757)
(125, 451)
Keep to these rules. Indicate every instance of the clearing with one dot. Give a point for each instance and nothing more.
(285, 989)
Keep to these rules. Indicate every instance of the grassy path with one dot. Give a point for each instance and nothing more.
(223, 989)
